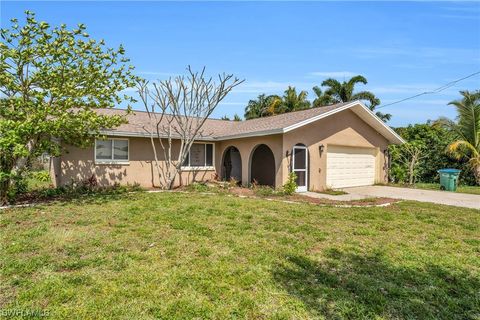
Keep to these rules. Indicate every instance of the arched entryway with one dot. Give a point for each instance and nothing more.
(232, 165)
(262, 166)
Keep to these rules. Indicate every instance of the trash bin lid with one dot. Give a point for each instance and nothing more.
(449, 170)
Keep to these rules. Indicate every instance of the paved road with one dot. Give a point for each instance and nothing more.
(440, 197)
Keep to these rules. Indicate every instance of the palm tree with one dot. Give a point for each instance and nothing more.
(263, 106)
(293, 101)
(467, 130)
(338, 92)
(322, 99)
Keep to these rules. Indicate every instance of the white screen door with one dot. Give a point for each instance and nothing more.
(300, 167)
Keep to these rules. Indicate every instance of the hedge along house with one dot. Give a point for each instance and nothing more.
(341, 145)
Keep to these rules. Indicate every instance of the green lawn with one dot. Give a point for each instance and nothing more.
(436, 186)
(185, 256)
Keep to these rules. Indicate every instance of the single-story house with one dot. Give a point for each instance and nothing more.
(341, 145)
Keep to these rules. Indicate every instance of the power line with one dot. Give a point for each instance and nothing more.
(439, 89)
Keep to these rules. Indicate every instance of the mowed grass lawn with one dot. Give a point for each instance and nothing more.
(185, 256)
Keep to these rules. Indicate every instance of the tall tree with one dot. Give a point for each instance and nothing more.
(52, 81)
(293, 101)
(337, 92)
(263, 106)
(177, 109)
(467, 130)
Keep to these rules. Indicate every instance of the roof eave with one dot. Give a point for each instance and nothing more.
(115, 133)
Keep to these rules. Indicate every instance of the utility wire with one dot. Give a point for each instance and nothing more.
(439, 89)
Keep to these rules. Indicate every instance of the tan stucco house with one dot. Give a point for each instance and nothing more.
(336, 146)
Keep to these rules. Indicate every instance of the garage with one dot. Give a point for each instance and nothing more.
(350, 167)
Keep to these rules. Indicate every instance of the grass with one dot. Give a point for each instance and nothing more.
(436, 186)
(202, 256)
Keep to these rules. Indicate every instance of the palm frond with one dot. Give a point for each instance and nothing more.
(357, 79)
(468, 120)
(461, 148)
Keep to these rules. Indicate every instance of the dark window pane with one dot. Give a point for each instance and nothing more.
(300, 157)
(209, 161)
(120, 149)
(197, 155)
(300, 178)
(103, 149)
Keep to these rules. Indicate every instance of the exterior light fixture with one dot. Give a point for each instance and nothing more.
(321, 148)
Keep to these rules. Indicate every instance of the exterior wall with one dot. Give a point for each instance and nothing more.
(342, 129)
(78, 164)
(246, 147)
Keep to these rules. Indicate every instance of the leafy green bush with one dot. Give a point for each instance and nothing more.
(434, 138)
(198, 187)
(290, 186)
(74, 190)
(18, 186)
(43, 175)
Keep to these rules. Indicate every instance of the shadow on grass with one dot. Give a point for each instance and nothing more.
(62, 197)
(355, 286)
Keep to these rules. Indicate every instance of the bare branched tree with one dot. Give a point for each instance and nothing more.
(410, 156)
(177, 109)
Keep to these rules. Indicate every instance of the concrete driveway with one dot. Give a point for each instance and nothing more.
(440, 197)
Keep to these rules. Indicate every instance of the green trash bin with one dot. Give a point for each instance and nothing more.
(449, 179)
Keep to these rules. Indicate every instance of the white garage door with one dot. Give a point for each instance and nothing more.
(350, 167)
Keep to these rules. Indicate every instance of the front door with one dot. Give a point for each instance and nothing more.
(300, 167)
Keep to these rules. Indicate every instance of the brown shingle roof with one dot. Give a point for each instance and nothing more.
(218, 129)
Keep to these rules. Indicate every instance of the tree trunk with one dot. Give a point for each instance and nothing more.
(476, 173)
(6, 168)
(4, 186)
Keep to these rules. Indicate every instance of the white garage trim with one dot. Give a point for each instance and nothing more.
(350, 166)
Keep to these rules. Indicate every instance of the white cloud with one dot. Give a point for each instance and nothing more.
(334, 74)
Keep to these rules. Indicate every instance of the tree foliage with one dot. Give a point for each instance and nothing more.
(433, 138)
(265, 106)
(293, 101)
(52, 81)
(467, 131)
(337, 92)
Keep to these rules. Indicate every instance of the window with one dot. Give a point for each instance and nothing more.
(200, 156)
(111, 150)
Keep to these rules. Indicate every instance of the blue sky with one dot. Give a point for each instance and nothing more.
(403, 48)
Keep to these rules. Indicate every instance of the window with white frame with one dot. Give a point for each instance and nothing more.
(111, 150)
(200, 156)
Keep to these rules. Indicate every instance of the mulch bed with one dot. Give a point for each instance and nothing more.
(246, 192)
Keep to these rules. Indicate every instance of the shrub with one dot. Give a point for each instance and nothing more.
(435, 139)
(19, 185)
(43, 175)
(198, 187)
(290, 186)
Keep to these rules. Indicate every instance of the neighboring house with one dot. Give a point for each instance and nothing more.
(342, 145)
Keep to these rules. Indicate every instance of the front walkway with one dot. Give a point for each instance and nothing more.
(439, 197)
